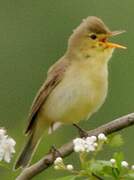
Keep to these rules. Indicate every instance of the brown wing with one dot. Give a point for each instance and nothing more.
(55, 75)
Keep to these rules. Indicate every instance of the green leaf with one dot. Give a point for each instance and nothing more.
(116, 140)
(103, 168)
(96, 167)
(118, 157)
(108, 171)
(72, 177)
(104, 163)
(129, 176)
(99, 165)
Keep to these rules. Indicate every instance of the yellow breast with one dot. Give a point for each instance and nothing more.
(80, 93)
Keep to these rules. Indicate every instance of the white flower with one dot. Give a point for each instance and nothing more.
(112, 161)
(124, 164)
(57, 167)
(102, 137)
(94, 138)
(85, 145)
(6, 146)
(132, 167)
(91, 139)
(89, 144)
(95, 144)
(58, 161)
(79, 145)
(70, 167)
(2, 134)
(8, 149)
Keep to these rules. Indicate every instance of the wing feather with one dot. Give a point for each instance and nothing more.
(55, 75)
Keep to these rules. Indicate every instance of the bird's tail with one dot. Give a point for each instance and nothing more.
(35, 134)
(27, 152)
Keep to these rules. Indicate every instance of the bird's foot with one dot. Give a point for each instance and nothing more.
(81, 131)
(55, 152)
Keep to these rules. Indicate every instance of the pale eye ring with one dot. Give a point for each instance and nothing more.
(93, 36)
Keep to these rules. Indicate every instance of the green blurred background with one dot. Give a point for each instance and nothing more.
(33, 35)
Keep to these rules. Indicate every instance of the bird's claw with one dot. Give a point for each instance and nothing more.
(55, 152)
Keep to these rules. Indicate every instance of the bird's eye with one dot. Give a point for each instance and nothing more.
(93, 36)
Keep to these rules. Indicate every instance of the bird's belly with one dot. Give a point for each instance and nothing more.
(74, 99)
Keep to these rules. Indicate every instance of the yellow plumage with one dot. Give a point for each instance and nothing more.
(76, 85)
(80, 93)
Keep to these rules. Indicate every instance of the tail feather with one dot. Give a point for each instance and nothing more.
(26, 154)
(35, 136)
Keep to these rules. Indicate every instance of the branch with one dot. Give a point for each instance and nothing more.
(67, 149)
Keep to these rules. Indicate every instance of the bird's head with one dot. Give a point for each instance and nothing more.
(91, 38)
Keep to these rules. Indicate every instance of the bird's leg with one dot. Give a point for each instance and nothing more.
(55, 152)
(81, 131)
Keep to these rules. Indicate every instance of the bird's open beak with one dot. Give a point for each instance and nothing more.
(114, 45)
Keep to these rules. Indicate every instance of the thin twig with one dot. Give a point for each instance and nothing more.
(67, 149)
(97, 177)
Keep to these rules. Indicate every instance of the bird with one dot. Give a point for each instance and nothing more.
(76, 85)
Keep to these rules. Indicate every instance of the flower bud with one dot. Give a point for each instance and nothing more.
(124, 164)
(70, 167)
